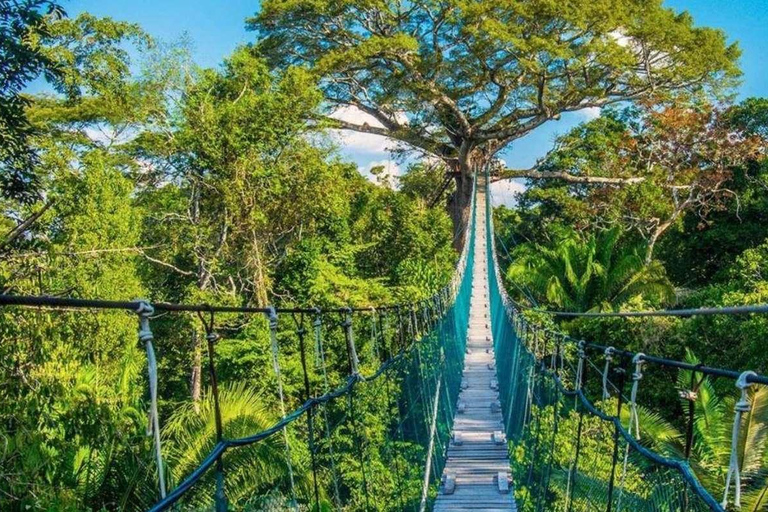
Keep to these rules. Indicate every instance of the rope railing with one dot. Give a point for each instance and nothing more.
(558, 403)
(727, 310)
(403, 363)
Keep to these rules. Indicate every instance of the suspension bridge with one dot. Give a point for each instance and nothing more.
(495, 411)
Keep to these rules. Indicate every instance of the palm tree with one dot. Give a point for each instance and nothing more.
(710, 433)
(251, 471)
(593, 274)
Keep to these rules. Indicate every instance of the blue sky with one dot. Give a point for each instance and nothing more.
(216, 27)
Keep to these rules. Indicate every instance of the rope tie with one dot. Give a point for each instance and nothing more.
(272, 316)
(317, 324)
(609, 351)
(638, 360)
(374, 341)
(353, 360)
(634, 423)
(580, 367)
(742, 406)
(145, 310)
(553, 356)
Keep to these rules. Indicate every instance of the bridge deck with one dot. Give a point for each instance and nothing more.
(475, 458)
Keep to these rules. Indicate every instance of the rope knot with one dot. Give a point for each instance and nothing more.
(318, 321)
(608, 352)
(145, 310)
(741, 407)
(347, 322)
(581, 352)
(272, 317)
(639, 361)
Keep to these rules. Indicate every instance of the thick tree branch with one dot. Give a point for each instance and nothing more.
(560, 175)
(22, 227)
(402, 134)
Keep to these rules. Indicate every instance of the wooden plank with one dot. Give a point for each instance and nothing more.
(476, 462)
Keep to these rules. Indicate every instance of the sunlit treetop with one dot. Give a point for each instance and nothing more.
(461, 79)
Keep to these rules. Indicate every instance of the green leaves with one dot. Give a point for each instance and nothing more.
(586, 274)
(471, 76)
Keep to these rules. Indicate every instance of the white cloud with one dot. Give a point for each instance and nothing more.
(392, 171)
(504, 192)
(620, 38)
(357, 142)
(589, 113)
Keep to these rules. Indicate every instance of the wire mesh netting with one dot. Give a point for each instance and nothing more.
(570, 447)
(292, 409)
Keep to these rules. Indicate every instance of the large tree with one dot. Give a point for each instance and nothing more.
(646, 168)
(24, 24)
(460, 80)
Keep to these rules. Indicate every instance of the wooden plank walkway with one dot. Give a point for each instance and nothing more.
(476, 458)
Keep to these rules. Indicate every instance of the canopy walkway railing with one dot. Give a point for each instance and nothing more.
(360, 399)
(371, 393)
(578, 442)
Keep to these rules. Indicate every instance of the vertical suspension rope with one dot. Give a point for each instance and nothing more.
(582, 354)
(384, 327)
(318, 325)
(740, 408)
(615, 456)
(428, 465)
(608, 358)
(354, 372)
(300, 332)
(220, 498)
(555, 413)
(398, 476)
(374, 335)
(690, 396)
(272, 316)
(145, 310)
(351, 350)
(573, 473)
(634, 422)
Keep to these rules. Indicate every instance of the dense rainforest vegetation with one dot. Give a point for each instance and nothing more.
(141, 175)
(690, 233)
(144, 176)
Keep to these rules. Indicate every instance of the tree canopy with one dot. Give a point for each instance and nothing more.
(461, 80)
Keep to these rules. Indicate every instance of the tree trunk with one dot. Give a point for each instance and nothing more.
(458, 208)
(461, 200)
